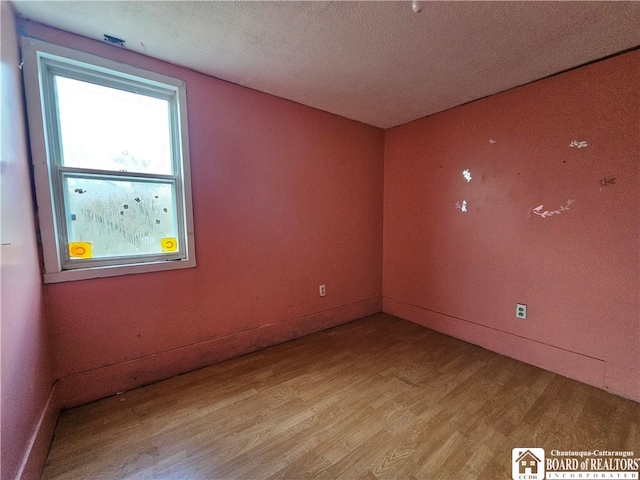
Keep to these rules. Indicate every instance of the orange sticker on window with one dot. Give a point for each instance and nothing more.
(169, 244)
(80, 250)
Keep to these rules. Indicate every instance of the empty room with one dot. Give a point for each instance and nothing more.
(325, 239)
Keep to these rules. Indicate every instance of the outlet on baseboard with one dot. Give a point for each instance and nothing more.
(521, 311)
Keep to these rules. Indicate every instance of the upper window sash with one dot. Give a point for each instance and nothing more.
(47, 80)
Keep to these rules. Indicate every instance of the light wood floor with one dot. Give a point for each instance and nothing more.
(376, 398)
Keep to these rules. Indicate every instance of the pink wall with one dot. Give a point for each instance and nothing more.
(26, 372)
(578, 271)
(285, 198)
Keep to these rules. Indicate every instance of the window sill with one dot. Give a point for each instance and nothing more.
(114, 271)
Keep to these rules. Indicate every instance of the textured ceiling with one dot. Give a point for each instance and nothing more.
(376, 62)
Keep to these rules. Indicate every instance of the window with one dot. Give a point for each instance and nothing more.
(111, 164)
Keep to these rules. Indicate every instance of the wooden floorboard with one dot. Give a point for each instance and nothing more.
(373, 399)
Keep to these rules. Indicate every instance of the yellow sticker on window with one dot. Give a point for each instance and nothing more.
(169, 244)
(80, 249)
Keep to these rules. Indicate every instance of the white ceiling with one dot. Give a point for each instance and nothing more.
(375, 62)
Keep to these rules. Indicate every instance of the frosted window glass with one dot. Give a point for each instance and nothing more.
(120, 217)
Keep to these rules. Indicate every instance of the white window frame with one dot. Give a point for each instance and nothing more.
(41, 60)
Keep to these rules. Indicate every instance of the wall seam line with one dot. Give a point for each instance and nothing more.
(493, 328)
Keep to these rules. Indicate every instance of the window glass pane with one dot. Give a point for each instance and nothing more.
(120, 217)
(110, 129)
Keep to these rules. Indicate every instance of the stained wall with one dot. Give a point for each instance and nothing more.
(285, 198)
(26, 392)
(550, 222)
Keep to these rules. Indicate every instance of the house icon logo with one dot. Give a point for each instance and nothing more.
(527, 464)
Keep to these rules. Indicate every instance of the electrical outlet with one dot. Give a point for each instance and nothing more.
(323, 290)
(521, 311)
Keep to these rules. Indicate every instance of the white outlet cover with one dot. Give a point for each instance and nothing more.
(521, 311)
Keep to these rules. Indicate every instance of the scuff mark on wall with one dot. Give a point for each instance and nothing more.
(547, 213)
(579, 143)
(462, 206)
(605, 182)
